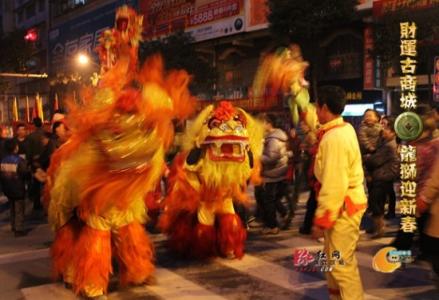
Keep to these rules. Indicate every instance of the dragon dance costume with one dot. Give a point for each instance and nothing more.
(282, 73)
(220, 154)
(99, 179)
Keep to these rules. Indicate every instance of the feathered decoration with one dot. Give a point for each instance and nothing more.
(280, 74)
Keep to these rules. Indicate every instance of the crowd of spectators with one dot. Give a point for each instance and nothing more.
(24, 160)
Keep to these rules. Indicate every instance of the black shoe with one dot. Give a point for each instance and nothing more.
(286, 225)
(303, 230)
(19, 233)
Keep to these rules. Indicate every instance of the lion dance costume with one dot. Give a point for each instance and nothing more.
(98, 180)
(220, 154)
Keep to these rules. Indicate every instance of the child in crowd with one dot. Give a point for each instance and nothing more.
(13, 170)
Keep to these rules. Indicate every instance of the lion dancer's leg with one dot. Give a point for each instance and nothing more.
(135, 254)
(204, 235)
(63, 251)
(180, 232)
(92, 262)
(231, 232)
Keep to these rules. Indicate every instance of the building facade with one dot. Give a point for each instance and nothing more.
(75, 28)
(32, 18)
(231, 35)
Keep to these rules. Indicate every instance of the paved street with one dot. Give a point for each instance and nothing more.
(266, 271)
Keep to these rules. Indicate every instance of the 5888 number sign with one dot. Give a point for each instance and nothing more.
(226, 9)
(202, 17)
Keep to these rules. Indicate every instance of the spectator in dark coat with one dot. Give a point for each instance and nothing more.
(48, 149)
(41, 166)
(387, 121)
(13, 173)
(34, 140)
(35, 149)
(383, 165)
(306, 175)
(22, 141)
(294, 163)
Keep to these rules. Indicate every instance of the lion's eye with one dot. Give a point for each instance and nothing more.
(241, 118)
(239, 128)
(212, 123)
(224, 127)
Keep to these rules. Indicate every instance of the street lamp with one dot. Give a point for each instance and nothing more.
(83, 59)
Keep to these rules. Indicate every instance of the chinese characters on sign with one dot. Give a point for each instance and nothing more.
(369, 62)
(408, 65)
(63, 51)
(203, 19)
(80, 34)
(305, 261)
(408, 101)
(408, 174)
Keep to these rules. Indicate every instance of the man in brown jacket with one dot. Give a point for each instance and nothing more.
(383, 166)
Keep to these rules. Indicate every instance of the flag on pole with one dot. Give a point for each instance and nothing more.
(39, 101)
(15, 110)
(56, 103)
(27, 110)
(35, 109)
